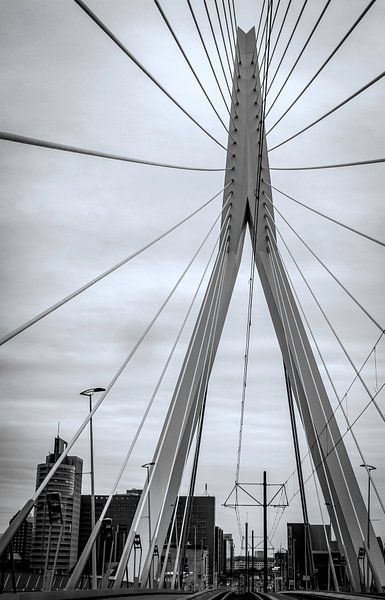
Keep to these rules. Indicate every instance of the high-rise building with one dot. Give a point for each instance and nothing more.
(218, 555)
(298, 562)
(228, 554)
(202, 526)
(21, 543)
(57, 539)
(121, 512)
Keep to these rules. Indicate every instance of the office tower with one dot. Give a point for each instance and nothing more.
(121, 512)
(21, 543)
(57, 513)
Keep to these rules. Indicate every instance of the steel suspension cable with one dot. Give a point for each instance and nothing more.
(30, 141)
(257, 34)
(367, 313)
(264, 32)
(340, 439)
(338, 398)
(216, 46)
(342, 436)
(288, 44)
(223, 38)
(199, 418)
(235, 16)
(331, 111)
(82, 561)
(317, 212)
(354, 378)
(345, 37)
(168, 24)
(317, 437)
(372, 161)
(129, 54)
(89, 284)
(272, 26)
(228, 31)
(249, 311)
(233, 28)
(209, 60)
(280, 29)
(185, 415)
(282, 310)
(138, 515)
(315, 27)
(245, 366)
(332, 567)
(358, 375)
(14, 525)
(181, 545)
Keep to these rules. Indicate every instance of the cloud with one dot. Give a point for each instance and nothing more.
(67, 218)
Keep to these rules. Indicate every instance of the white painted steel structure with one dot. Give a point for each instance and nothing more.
(348, 514)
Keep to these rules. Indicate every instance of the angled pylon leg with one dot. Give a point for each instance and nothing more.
(336, 476)
(173, 446)
(246, 158)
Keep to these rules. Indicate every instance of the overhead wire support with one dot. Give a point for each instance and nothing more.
(89, 284)
(168, 24)
(317, 212)
(371, 396)
(210, 61)
(129, 54)
(367, 313)
(315, 27)
(31, 141)
(343, 40)
(331, 111)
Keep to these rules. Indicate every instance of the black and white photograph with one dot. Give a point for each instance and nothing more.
(192, 312)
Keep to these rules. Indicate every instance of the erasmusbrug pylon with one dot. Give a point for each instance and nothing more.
(248, 211)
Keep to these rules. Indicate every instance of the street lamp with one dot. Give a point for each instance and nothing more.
(148, 467)
(90, 393)
(368, 468)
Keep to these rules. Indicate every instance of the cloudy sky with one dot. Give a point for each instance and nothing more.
(66, 218)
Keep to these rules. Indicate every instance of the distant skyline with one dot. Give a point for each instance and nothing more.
(66, 218)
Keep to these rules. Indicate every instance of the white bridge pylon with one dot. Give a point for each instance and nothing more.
(247, 153)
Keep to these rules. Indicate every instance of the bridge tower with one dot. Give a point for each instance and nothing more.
(247, 205)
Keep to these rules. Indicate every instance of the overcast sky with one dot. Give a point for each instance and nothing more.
(66, 218)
